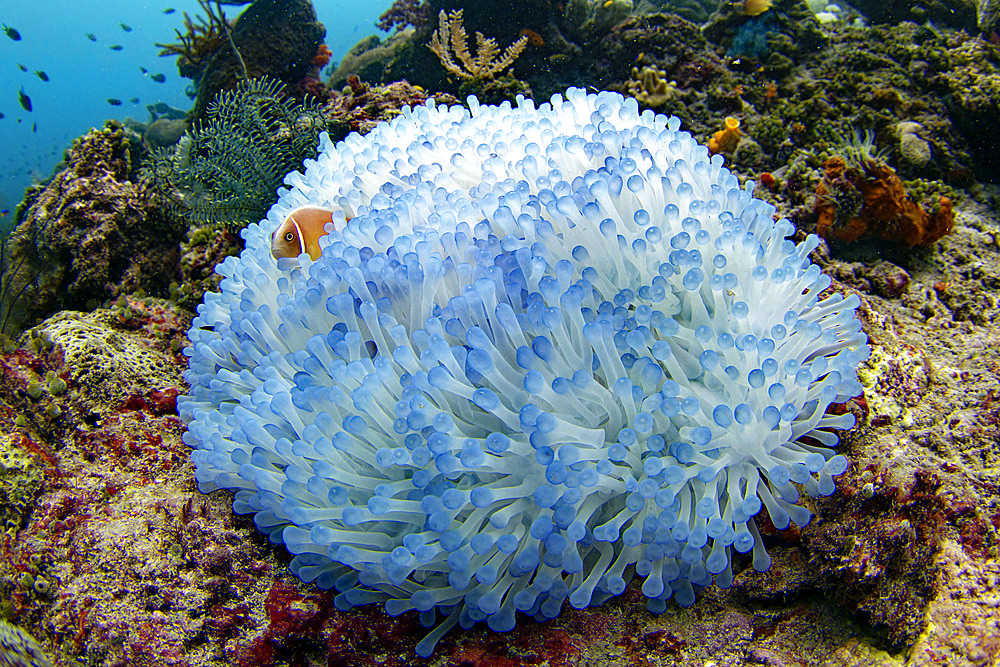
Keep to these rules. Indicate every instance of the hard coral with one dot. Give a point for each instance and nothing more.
(506, 383)
(879, 206)
(650, 86)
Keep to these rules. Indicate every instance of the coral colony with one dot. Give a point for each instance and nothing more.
(554, 348)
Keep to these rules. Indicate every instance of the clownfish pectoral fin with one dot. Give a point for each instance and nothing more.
(300, 232)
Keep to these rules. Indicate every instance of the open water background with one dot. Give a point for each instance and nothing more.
(83, 74)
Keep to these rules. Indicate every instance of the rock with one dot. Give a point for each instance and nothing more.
(955, 13)
(109, 357)
(164, 132)
(90, 234)
(276, 38)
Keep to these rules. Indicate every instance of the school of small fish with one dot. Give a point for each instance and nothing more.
(25, 100)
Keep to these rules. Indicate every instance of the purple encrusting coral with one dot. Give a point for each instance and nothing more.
(553, 348)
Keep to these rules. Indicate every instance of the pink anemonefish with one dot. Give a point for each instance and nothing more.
(300, 232)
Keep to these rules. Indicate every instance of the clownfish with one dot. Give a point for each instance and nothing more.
(300, 232)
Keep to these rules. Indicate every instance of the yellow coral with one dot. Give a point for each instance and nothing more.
(450, 37)
(650, 86)
(725, 140)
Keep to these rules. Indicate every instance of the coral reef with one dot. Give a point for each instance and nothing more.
(480, 74)
(403, 13)
(776, 39)
(956, 13)
(667, 41)
(362, 106)
(104, 353)
(111, 557)
(90, 234)
(381, 61)
(867, 200)
(227, 169)
(971, 78)
(136, 567)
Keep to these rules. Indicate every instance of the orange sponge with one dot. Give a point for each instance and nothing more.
(725, 140)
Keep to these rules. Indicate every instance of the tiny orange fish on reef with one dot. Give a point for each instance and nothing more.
(300, 232)
(754, 7)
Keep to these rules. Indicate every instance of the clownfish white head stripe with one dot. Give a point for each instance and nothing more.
(300, 232)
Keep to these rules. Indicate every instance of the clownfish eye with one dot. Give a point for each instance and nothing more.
(289, 237)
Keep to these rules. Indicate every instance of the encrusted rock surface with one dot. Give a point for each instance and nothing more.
(90, 234)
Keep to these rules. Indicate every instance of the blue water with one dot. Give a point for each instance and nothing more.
(84, 74)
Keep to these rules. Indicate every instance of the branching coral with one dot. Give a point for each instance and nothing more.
(201, 38)
(227, 169)
(450, 41)
(552, 348)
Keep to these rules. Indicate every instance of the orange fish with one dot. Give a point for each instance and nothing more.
(300, 232)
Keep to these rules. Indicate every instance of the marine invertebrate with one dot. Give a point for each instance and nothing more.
(726, 139)
(201, 38)
(554, 348)
(450, 41)
(651, 87)
(227, 169)
(862, 197)
(19, 649)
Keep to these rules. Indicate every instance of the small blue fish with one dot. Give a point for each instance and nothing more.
(116, 47)
(125, 27)
(12, 33)
(114, 101)
(41, 75)
(158, 78)
(169, 10)
(91, 36)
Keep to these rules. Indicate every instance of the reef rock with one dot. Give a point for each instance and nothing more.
(956, 13)
(90, 234)
(276, 38)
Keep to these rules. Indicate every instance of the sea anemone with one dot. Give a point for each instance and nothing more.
(553, 349)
